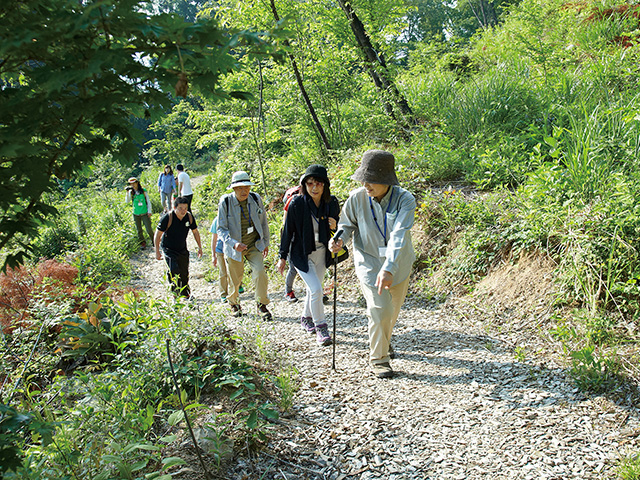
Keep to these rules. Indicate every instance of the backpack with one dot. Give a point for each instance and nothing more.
(288, 196)
(226, 201)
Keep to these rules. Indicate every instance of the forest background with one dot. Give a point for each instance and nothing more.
(515, 124)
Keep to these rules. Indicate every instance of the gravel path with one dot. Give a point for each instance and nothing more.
(460, 407)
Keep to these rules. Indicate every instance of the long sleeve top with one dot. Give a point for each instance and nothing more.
(298, 239)
(166, 183)
(229, 223)
(374, 226)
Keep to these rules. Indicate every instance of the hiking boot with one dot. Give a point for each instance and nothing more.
(322, 335)
(392, 353)
(223, 299)
(290, 297)
(325, 300)
(240, 289)
(307, 324)
(264, 312)
(236, 310)
(382, 370)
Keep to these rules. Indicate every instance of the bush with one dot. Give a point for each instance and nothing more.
(55, 240)
(22, 288)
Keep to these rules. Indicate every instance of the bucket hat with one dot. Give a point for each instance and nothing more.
(240, 179)
(377, 166)
(315, 171)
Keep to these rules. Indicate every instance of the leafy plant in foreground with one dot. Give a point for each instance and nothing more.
(14, 428)
(99, 333)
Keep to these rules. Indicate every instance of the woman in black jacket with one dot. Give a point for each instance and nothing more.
(307, 229)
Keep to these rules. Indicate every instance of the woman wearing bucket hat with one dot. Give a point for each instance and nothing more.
(379, 216)
(305, 243)
(244, 231)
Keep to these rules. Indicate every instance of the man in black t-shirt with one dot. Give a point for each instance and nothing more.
(171, 235)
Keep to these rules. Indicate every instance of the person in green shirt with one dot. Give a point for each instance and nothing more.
(139, 197)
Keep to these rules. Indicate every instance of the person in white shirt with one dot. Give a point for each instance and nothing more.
(184, 185)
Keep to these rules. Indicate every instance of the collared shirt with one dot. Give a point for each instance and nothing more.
(230, 226)
(364, 221)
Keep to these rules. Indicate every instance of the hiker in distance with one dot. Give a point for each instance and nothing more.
(379, 216)
(142, 210)
(166, 187)
(184, 185)
(171, 236)
(305, 243)
(244, 231)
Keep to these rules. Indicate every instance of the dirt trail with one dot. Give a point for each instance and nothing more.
(460, 407)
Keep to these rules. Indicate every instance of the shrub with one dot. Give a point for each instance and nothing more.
(20, 289)
(54, 241)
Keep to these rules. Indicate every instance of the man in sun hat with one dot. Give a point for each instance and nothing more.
(244, 231)
(379, 216)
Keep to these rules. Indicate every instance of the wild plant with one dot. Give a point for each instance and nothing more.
(629, 467)
(593, 371)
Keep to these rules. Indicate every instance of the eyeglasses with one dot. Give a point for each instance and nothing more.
(313, 183)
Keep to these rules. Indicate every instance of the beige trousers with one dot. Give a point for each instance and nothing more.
(223, 283)
(235, 269)
(383, 311)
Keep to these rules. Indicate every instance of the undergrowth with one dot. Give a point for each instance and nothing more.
(88, 391)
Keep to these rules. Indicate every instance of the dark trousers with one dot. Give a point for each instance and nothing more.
(189, 199)
(178, 263)
(139, 221)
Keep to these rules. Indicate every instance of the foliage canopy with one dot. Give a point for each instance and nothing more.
(73, 75)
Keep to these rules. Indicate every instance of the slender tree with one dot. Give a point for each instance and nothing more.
(377, 68)
(303, 90)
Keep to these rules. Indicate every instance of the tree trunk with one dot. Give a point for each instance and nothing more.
(377, 67)
(303, 91)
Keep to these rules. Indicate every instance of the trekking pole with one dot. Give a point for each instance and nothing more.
(335, 295)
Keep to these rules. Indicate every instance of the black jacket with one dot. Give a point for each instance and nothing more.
(297, 239)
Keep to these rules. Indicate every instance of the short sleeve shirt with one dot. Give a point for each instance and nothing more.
(175, 238)
(186, 183)
(214, 229)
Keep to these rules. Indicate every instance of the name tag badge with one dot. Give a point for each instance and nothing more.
(187, 223)
(382, 252)
(249, 230)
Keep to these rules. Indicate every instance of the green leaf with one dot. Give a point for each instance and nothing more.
(252, 420)
(175, 418)
(173, 461)
(236, 394)
(168, 438)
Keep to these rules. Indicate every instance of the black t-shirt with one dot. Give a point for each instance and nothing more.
(175, 238)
